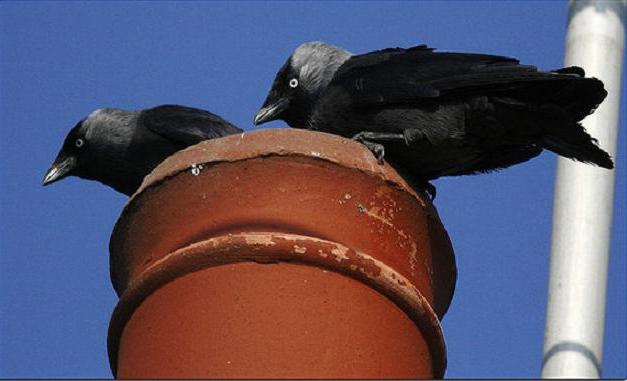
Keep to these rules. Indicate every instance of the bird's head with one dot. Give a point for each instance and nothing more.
(88, 147)
(70, 158)
(299, 83)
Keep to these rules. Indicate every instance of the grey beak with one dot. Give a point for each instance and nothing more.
(61, 168)
(271, 112)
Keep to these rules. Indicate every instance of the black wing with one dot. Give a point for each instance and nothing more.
(398, 75)
(185, 125)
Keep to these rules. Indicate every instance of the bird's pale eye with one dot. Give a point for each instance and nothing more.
(293, 83)
(79, 142)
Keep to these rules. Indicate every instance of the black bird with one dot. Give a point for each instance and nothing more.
(438, 114)
(119, 147)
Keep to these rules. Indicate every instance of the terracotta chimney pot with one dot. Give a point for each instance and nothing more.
(279, 253)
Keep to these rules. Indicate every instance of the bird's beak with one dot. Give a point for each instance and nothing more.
(271, 112)
(61, 168)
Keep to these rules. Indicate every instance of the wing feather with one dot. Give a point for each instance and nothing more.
(393, 76)
(185, 125)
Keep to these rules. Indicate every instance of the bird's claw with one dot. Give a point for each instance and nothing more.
(378, 150)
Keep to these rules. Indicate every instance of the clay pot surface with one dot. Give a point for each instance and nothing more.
(237, 242)
(249, 314)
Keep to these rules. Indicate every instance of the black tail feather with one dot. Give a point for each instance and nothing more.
(552, 127)
(577, 144)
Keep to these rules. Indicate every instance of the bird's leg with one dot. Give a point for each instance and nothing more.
(409, 136)
(379, 136)
(369, 139)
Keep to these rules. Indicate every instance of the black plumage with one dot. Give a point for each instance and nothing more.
(438, 114)
(119, 148)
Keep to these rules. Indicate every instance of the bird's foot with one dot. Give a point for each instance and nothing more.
(378, 150)
(369, 138)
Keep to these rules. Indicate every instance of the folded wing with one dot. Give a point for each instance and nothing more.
(419, 75)
(185, 125)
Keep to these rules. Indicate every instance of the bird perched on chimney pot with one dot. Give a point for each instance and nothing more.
(436, 114)
(118, 147)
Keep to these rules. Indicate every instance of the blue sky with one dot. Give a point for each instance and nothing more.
(59, 61)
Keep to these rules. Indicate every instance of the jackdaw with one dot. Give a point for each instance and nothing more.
(119, 147)
(438, 113)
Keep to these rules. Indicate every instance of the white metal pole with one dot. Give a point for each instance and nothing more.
(584, 195)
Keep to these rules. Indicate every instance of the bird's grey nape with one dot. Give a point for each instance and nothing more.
(113, 126)
(316, 63)
(101, 120)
